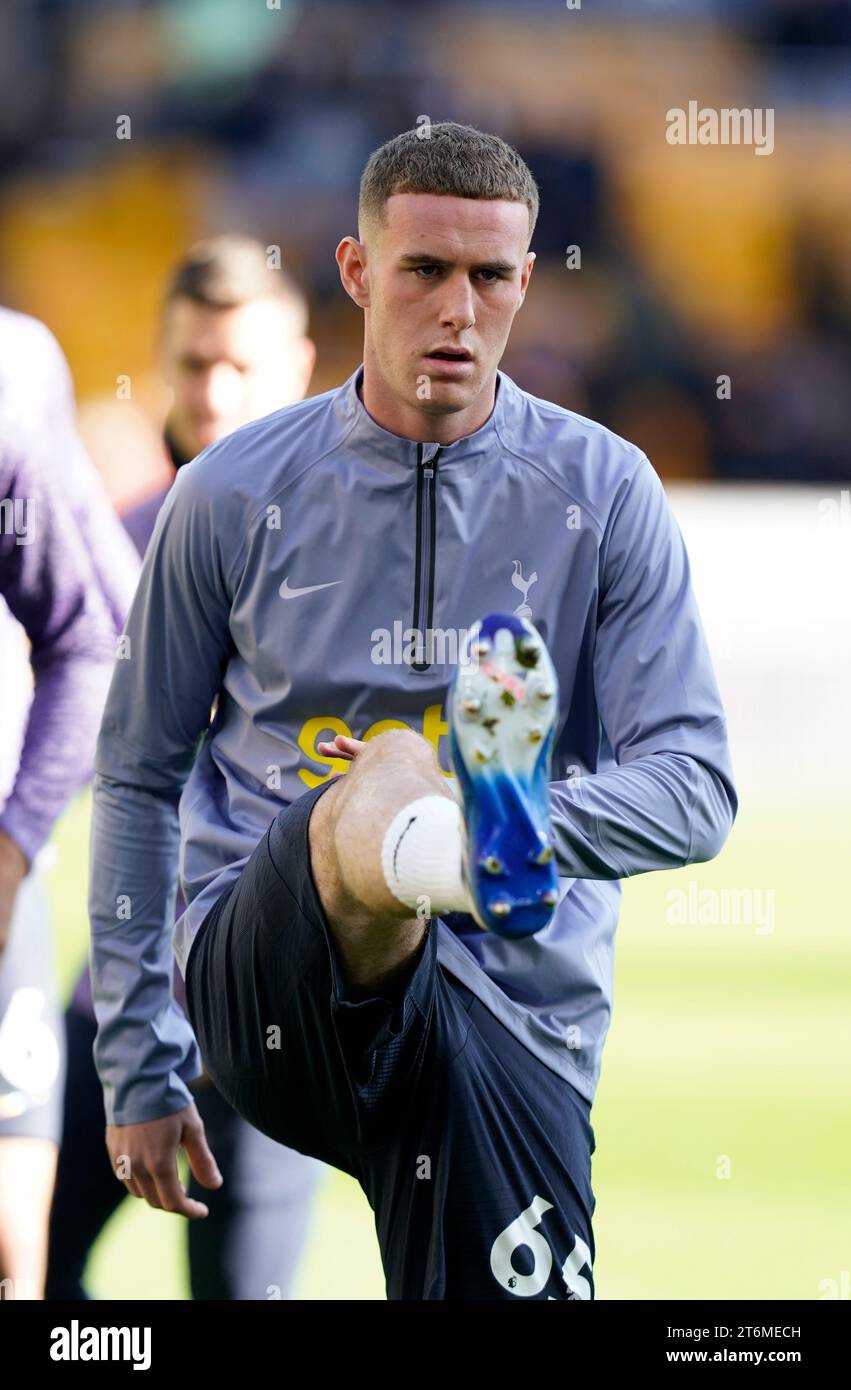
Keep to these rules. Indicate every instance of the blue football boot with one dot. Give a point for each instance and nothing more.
(502, 712)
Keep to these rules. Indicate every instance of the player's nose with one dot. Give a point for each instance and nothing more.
(458, 308)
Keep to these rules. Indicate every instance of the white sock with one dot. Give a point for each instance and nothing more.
(421, 856)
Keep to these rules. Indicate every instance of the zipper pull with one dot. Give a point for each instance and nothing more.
(430, 468)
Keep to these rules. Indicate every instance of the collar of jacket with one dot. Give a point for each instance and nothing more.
(367, 437)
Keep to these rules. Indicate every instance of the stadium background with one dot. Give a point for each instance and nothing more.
(727, 1042)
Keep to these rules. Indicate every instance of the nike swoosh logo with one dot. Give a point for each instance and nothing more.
(286, 592)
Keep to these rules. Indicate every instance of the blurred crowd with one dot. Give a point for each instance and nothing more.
(256, 116)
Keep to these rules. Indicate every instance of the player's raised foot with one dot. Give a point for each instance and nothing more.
(502, 712)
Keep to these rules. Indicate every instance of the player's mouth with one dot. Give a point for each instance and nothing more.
(449, 361)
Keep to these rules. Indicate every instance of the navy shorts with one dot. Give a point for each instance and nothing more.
(474, 1156)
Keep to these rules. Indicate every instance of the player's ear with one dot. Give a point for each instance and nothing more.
(526, 274)
(352, 259)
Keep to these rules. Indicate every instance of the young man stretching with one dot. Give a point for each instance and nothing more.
(376, 969)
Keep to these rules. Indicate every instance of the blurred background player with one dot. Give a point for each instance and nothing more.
(62, 603)
(233, 347)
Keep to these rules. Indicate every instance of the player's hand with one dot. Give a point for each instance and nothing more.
(342, 747)
(144, 1158)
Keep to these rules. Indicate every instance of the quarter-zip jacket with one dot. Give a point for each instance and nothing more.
(286, 562)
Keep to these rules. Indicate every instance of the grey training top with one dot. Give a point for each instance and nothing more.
(286, 565)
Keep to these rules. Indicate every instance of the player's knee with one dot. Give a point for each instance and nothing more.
(398, 746)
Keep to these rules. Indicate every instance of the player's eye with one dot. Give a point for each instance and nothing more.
(420, 268)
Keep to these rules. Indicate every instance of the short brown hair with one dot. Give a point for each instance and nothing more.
(225, 272)
(456, 160)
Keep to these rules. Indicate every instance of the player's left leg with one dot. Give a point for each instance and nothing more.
(455, 1138)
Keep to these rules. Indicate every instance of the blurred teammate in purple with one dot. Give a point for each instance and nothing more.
(62, 604)
(234, 347)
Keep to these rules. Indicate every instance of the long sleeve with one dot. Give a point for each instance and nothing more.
(671, 800)
(157, 711)
(48, 583)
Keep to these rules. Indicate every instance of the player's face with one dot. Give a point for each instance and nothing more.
(228, 366)
(447, 273)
